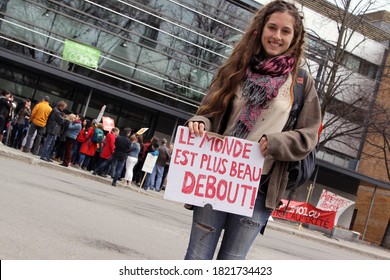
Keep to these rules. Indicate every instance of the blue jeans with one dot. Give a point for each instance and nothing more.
(118, 170)
(17, 135)
(110, 164)
(240, 232)
(48, 146)
(151, 180)
(76, 152)
(148, 181)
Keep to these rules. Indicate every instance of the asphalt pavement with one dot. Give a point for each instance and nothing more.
(276, 224)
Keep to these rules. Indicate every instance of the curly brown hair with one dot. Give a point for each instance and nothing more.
(231, 74)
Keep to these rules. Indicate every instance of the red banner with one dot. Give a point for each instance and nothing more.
(305, 213)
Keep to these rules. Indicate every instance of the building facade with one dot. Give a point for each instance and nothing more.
(150, 63)
(156, 57)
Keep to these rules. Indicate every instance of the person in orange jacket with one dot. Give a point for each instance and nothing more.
(39, 116)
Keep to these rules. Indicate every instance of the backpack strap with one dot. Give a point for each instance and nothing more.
(299, 92)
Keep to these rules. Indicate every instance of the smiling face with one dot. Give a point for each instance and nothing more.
(278, 34)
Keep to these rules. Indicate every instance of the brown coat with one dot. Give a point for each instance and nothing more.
(282, 146)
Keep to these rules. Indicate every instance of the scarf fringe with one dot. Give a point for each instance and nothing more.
(254, 94)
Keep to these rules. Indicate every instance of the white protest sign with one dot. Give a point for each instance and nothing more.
(99, 117)
(223, 172)
(332, 202)
(150, 162)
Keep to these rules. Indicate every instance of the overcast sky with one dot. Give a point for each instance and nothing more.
(379, 4)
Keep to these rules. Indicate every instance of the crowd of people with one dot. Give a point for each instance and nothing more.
(54, 133)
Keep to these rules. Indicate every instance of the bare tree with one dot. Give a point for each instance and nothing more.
(346, 86)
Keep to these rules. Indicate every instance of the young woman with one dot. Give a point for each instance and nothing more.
(132, 158)
(23, 114)
(251, 97)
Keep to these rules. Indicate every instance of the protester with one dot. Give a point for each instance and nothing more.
(132, 158)
(118, 159)
(250, 98)
(147, 147)
(81, 138)
(71, 134)
(158, 171)
(22, 117)
(153, 150)
(108, 150)
(38, 120)
(166, 168)
(137, 171)
(5, 107)
(88, 148)
(98, 138)
(53, 129)
(60, 145)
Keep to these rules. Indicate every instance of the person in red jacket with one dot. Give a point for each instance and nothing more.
(88, 148)
(108, 149)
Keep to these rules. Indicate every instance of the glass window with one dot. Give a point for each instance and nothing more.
(151, 32)
(368, 69)
(17, 90)
(351, 62)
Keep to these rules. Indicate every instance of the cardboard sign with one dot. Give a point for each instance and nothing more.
(305, 213)
(108, 123)
(223, 172)
(150, 162)
(142, 130)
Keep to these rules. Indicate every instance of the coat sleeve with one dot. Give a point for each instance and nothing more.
(59, 118)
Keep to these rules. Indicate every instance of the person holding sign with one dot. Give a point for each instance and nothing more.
(250, 98)
(118, 158)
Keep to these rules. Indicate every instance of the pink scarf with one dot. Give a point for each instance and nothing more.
(263, 80)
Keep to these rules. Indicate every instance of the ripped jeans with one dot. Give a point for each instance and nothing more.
(240, 232)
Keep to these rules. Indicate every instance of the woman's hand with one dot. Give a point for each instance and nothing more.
(263, 142)
(196, 127)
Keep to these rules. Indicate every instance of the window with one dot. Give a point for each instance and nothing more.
(151, 32)
(351, 62)
(368, 69)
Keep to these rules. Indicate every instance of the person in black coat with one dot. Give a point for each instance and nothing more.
(5, 107)
(54, 125)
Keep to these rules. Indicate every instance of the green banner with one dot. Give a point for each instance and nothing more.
(81, 54)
